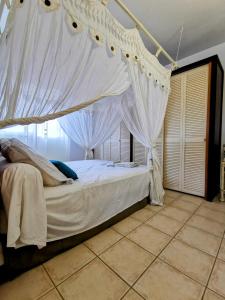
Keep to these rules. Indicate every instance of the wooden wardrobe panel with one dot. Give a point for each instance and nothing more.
(173, 136)
(194, 168)
(172, 166)
(139, 153)
(195, 130)
(106, 153)
(173, 118)
(117, 147)
(185, 132)
(124, 143)
(196, 103)
(192, 143)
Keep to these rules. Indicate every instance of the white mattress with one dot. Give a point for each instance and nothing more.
(100, 193)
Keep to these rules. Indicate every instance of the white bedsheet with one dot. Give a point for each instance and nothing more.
(100, 193)
(24, 205)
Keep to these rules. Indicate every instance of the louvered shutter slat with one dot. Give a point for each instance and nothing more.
(107, 150)
(185, 132)
(195, 130)
(117, 148)
(139, 153)
(173, 134)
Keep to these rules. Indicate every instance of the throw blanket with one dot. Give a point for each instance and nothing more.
(24, 204)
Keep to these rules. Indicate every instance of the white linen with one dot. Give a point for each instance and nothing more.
(24, 205)
(144, 118)
(46, 68)
(58, 58)
(55, 57)
(92, 126)
(100, 193)
(18, 152)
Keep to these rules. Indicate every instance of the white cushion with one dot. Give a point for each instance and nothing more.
(15, 151)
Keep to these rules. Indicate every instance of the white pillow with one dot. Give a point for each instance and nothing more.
(16, 151)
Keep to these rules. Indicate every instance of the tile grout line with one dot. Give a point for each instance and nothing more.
(214, 293)
(130, 286)
(48, 275)
(192, 279)
(215, 257)
(122, 236)
(157, 257)
(213, 267)
(131, 289)
(114, 272)
(174, 237)
(125, 236)
(193, 226)
(55, 286)
(44, 294)
(97, 256)
(209, 219)
(141, 223)
(205, 287)
(60, 293)
(171, 238)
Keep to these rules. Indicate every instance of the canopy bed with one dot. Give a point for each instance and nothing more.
(72, 60)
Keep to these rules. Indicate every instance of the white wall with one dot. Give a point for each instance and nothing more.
(220, 51)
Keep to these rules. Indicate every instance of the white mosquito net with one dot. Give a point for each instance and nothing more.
(72, 59)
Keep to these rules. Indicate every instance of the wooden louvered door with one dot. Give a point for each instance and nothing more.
(124, 143)
(139, 153)
(172, 173)
(185, 151)
(195, 131)
(117, 147)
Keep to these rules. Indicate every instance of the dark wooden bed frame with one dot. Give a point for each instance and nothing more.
(25, 258)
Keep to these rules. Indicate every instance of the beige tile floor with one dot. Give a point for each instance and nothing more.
(172, 253)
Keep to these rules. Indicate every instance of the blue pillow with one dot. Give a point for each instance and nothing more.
(63, 168)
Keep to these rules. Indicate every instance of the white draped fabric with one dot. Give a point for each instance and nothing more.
(45, 69)
(92, 126)
(144, 118)
(59, 56)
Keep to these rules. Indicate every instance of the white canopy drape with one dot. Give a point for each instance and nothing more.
(46, 68)
(59, 56)
(92, 126)
(144, 118)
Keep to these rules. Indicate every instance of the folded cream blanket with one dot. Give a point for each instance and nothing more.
(24, 204)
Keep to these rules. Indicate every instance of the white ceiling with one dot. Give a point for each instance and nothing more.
(203, 20)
